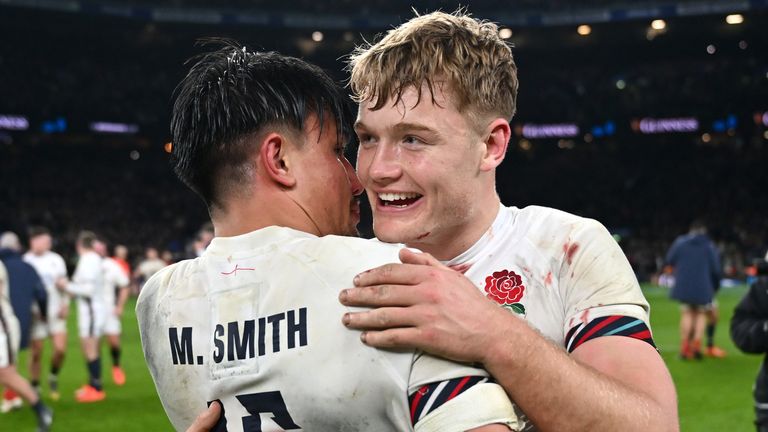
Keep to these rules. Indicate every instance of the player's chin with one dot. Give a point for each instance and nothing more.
(393, 231)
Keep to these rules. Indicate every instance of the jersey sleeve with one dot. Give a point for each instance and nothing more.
(174, 377)
(447, 396)
(87, 280)
(117, 275)
(61, 267)
(601, 293)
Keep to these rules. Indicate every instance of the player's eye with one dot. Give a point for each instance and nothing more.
(365, 139)
(412, 140)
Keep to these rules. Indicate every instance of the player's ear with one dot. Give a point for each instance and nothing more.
(275, 158)
(496, 140)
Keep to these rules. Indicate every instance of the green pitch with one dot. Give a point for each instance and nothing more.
(713, 394)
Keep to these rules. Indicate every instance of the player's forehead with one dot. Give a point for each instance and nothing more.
(428, 107)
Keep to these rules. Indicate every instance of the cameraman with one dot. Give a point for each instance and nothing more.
(749, 331)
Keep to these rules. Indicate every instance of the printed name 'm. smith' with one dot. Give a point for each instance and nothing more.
(239, 340)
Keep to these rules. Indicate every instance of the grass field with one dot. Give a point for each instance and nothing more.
(715, 395)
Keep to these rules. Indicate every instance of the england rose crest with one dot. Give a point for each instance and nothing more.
(506, 288)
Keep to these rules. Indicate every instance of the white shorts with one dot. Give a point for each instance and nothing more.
(112, 326)
(91, 317)
(42, 330)
(9, 339)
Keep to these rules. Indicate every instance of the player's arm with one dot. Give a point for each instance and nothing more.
(123, 284)
(88, 275)
(41, 296)
(446, 396)
(435, 309)
(206, 421)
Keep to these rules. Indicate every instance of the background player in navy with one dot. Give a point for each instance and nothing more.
(696, 264)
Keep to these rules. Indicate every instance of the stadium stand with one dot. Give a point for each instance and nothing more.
(646, 188)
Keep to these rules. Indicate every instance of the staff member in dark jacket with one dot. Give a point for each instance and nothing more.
(25, 286)
(697, 277)
(749, 331)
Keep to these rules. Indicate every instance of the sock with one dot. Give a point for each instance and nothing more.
(53, 382)
(696, 348)
(35, 383)
(38, 407)
(54, 370)
(94, 370)
(710, 335)
(116, 356)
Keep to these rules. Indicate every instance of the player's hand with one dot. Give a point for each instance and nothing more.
(64, 312)
(425, 305)
(118, 311)
(207, 419)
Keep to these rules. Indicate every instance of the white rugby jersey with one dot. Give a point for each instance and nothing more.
(564, 274)
(88, 280)
(557, 270)
(50, 266)
(256, 323)
(114, 279)
(6, 310)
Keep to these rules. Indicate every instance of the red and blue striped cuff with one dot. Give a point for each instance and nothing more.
(430, 397)
(612, 325)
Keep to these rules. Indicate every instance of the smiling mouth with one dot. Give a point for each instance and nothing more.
(398, 200)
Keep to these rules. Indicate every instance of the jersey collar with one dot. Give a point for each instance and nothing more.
(469, 256)
(254, 240)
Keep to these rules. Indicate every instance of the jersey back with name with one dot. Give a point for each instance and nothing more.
(256, 323)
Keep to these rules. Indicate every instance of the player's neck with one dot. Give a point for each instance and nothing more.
(261, 210)
(454, 242)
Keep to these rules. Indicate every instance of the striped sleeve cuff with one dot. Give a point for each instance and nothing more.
(612, 325)
(430, 397)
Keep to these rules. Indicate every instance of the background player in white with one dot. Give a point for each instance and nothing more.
(116, 290)
(431, 136)
(88, 286)
(51, 267)
(260, 137)
(9, 344)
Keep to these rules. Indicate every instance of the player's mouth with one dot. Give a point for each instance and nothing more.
(398, 200)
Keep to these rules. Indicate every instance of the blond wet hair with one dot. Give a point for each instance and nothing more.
(435, 49)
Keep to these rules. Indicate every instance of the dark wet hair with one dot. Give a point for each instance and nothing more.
(229, 95)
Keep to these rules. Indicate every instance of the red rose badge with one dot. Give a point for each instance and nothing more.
(506, 288)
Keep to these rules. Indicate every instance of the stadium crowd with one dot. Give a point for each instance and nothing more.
(645, 188)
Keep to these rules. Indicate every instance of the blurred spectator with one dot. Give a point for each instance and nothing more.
(149, 266)
(121, 258)
(167, 257)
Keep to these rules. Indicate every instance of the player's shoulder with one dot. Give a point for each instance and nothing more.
(55, 257)
(337, 248)
(110, 263)
(549, 221)
(167, 281)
